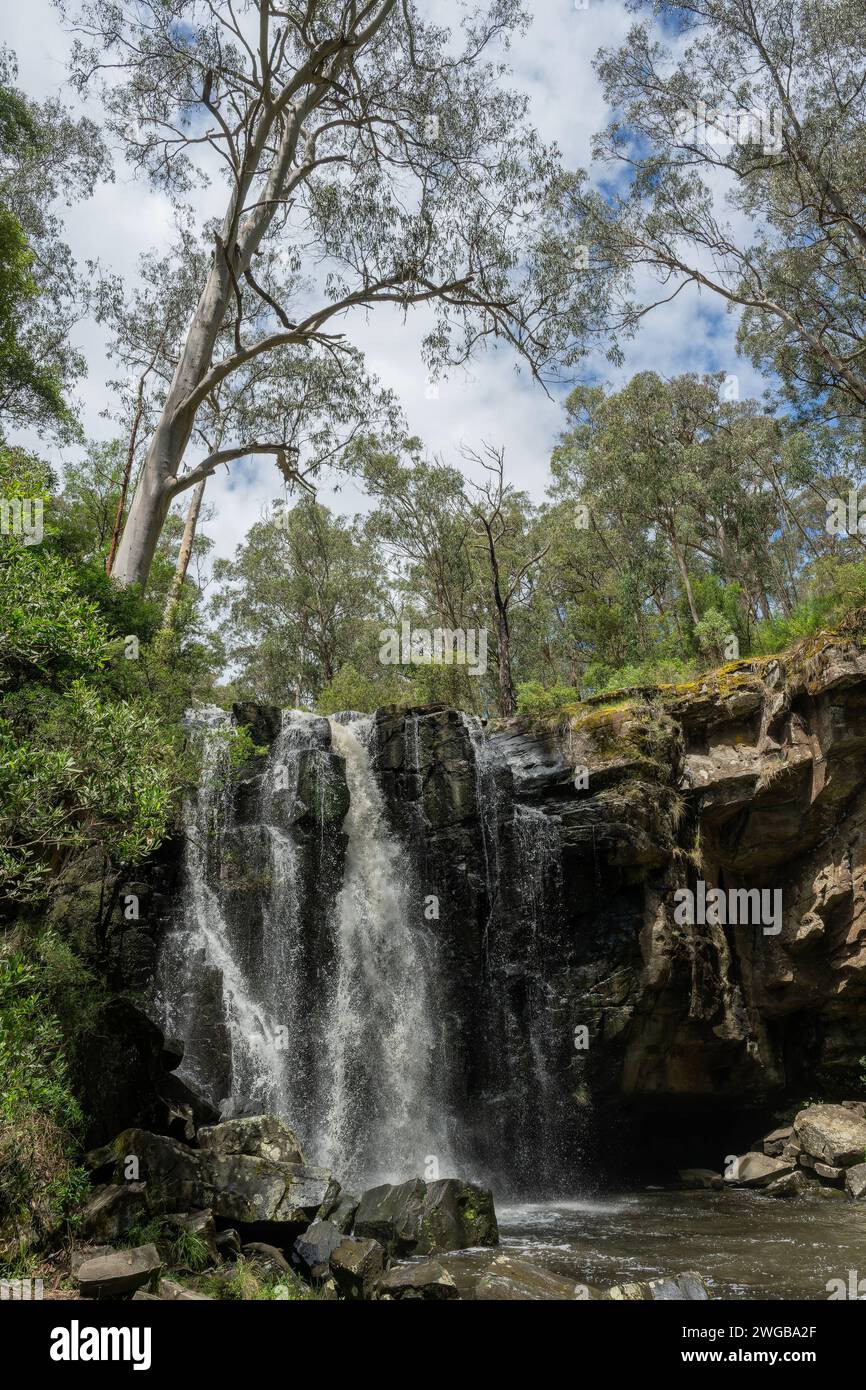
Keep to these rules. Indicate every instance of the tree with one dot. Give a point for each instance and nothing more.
(369, 159)
(302, 597)
(510, 556)
(44, 154)
(765, 101)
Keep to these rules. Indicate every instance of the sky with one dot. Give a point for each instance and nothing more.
(486, 402)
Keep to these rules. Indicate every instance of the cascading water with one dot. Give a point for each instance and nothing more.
(305, 978)
(382, 1113)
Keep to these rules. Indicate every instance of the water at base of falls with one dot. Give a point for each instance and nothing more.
(305, 979)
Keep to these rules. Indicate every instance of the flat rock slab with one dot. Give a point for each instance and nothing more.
(427, 1280)
(514, 1280)
(757, 1170)
(832, 1134)
(109, 1276)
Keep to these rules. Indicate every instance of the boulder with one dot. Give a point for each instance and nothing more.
(356, 1265)
(392, 1215)
(312, 1251)
(855, 1181)
(456, 1216)
(511, 1279)
(794, 1184)
(108, 1276)
(99, 1163)
(263, 1136)
(171, 1170)
(341, 1212)
(114, 1210)
(683, 1288)
(425, 1280)
(694, 1179)
(757, 1170)
(241, 1187)
(774, 1143)
(419, 1218)
(832, 1134)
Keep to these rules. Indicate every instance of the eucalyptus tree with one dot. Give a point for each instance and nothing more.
(370, 157)
(741, 127)
(45, 155)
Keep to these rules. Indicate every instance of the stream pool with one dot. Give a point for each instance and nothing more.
(746, 1246)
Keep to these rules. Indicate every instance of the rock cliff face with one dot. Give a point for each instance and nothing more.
(753, 779)
(579, 1016)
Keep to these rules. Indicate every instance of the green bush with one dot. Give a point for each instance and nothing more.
(40, 1120)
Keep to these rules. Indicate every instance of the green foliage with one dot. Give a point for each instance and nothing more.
(350, 690)
(40, 1121)
(535, 699)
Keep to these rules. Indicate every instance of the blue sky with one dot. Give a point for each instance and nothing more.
(553, 63)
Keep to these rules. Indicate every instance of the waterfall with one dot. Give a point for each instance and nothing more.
(200, 974)
(488, 804)
(382, 1114)
(305, 979)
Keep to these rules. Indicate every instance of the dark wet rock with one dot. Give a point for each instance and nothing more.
(312, 1251)
(228, 1243)
(109, 1276)
(113, 1210)
(171, 1171)
(391, 1214)
(356, 1265)
(341, 1212)
(455, 1216)
(421, 1218)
